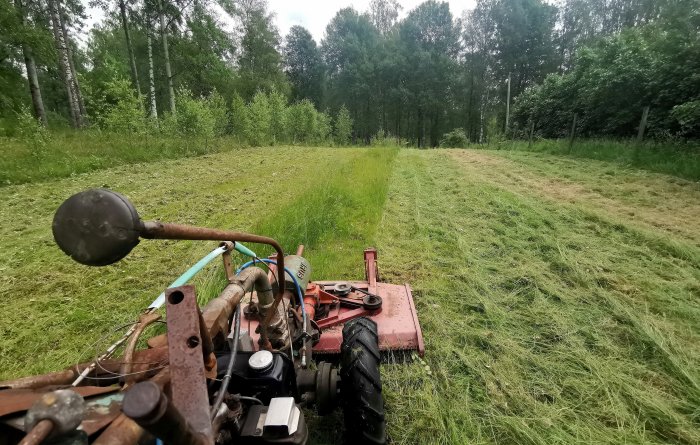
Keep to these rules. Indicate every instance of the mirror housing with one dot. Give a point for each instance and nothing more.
(97, 227)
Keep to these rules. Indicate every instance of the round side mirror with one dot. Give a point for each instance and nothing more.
(96, 227)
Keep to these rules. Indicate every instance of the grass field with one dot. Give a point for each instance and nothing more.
(558, 296)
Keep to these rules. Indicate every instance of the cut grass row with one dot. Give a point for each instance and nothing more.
(680, 159)
(544, 323)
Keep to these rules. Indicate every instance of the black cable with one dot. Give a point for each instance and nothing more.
(229, 369)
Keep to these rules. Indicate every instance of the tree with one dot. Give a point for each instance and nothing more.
(343, 126)
(304, 66)
(429, 41)
(350, 51)
(65, 64)
(166, 56)
(260, 64)
(258, 120)
(277, 105)
(384, 14)
(19, 31)
(127, 36)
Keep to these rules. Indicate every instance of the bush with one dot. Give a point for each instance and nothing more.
(277, 105)
(456, 138)
(30, 130)
(217, 106)
(382, 139)
(343, 127)
(322, 128)
(194, 117)
(257, 128)
(688, 116)
(119, 109)
(301, 122)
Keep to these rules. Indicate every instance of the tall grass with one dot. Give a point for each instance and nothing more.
(69, 152)
(336, 219)
(679, 159)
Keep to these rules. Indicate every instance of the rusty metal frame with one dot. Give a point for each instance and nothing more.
(186, 351)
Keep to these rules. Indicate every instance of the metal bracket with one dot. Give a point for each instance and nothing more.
(187, 373)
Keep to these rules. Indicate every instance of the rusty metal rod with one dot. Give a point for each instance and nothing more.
(39, 433)
(159, 230)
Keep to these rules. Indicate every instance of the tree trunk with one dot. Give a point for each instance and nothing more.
(71, 64)
(33, 79)
(166, 56)
(152, 108)
(129, 49)
(64, 66)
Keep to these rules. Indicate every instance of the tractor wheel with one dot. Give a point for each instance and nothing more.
(360, 383)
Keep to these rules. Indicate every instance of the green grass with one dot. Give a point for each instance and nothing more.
(679, 159)
(68, 153)
(558, 306)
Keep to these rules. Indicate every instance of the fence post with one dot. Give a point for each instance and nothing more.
(643, 124)
(573, 132)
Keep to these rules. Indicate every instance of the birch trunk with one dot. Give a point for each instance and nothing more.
(166, 56)
(71, 64)
(152, 109)
(129, 49)
(64, 65)
(32, 78)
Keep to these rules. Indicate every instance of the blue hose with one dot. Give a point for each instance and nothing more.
(300, 295)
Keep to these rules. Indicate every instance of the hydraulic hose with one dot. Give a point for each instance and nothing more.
(300, 294)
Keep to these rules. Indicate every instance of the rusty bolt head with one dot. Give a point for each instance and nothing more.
(144, 402)
(64, 408)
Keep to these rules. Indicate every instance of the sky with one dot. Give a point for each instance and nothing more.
(313, 15)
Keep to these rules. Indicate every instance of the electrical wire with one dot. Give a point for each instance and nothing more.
(229, 369)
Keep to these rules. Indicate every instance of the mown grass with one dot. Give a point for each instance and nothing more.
(546, 320)
(679, 159)
(68, 153)
(544, 323)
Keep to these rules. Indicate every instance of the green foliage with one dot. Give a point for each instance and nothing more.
(30, 130)
(258, 118)
(260, 65)
(301, 122)
(277, 105)
(219, 112)
(456, 138)
(343, 127)
(238, 117)
(384, 139)
(121, 111)
(322, 128)
(688, 116)
(613, 80)
(203, 117)
(304, 66)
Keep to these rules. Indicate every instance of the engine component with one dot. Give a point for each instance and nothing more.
(261, 361)
(282, 422)
(301, 268)
(320, 387)
(261, 374)
(361, 386)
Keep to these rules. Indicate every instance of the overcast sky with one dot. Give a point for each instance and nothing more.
(313, 15)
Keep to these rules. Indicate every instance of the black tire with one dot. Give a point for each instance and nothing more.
(360, 383)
